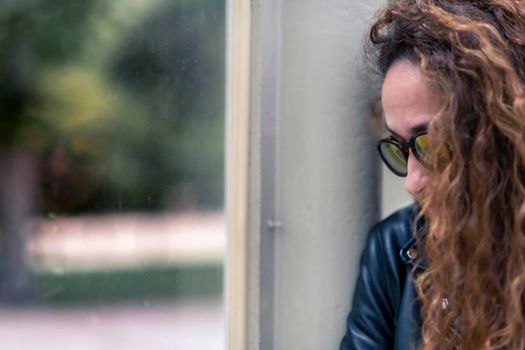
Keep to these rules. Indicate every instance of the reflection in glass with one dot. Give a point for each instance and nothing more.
(111, 173)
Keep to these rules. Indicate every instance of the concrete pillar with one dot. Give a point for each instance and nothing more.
(314, 173)
(328, 170)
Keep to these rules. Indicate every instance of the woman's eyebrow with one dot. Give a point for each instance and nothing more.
(419, 128)
(413, 130)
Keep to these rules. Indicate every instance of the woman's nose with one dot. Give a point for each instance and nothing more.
(417, 175)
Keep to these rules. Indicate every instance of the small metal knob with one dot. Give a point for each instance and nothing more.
(272, 225)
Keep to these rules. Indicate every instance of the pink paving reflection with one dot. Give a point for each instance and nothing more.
(188, 326)
(127, 240)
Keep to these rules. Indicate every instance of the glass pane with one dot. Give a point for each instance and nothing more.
(111, 174)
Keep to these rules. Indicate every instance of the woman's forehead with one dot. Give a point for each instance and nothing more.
(408, 101)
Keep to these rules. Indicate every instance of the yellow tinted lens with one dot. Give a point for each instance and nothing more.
(394, 157)
(421, 145)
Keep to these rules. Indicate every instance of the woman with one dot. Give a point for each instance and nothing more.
(449, 272)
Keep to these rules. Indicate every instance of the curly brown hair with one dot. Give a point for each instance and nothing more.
(473, 52)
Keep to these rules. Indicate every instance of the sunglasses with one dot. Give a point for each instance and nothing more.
(395, 153)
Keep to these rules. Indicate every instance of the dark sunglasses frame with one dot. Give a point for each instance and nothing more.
(405, 148)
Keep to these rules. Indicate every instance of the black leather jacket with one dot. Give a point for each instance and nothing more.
(385, 310)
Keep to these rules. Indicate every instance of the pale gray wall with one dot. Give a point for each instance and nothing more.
(329, 181)
(393, 193)
(314, 170)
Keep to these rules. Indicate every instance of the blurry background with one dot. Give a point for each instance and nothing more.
(111, 174)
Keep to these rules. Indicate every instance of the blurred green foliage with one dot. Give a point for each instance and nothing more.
(121, 102)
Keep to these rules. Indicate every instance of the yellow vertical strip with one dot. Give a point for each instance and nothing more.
(238, 115)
